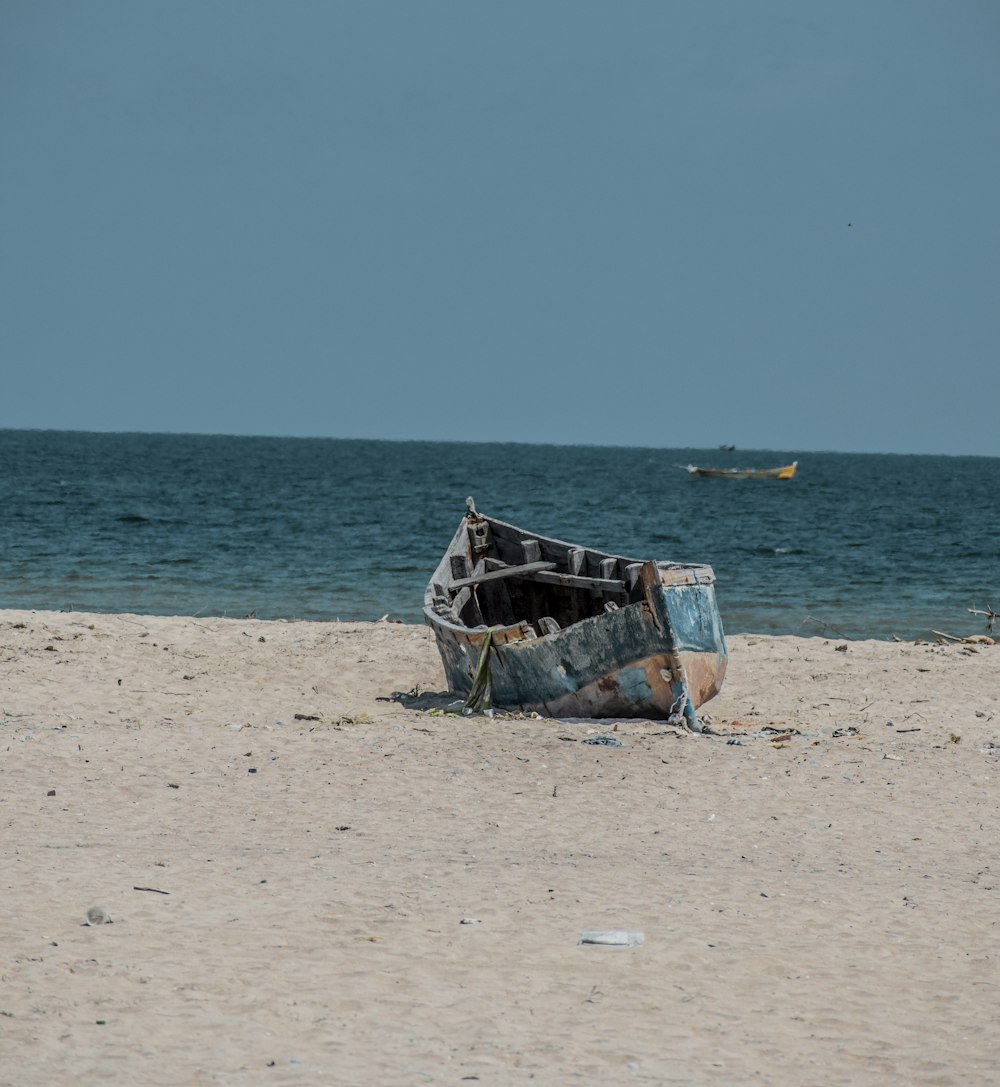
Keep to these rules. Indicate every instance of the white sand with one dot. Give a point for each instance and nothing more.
(818, 910)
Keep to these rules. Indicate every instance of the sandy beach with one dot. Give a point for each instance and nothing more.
(316, 875)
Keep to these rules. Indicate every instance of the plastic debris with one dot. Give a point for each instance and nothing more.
(613, 938)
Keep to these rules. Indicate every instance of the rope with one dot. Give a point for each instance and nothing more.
(481, 693)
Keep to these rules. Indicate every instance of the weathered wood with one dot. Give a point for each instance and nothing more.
(674, 574)
(548, 575)
(525, 570)
(577, 581)
(609, 567)
(531, 550)
(577, 560)
(632, 574)
(518, 632)
(548, 625)
(479, 538)
(460, 566)
(466, 599)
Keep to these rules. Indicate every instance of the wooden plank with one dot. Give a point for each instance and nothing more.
(531, 550)
(464, 598)
(578, 581)
(632, 573)
(577, 560)
(546, 573)
(479, 538)
(525, 570)
(460, 566)
(677, 574)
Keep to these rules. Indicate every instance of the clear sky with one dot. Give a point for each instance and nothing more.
(774, 223)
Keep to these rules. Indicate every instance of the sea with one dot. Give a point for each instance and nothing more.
(855, 546)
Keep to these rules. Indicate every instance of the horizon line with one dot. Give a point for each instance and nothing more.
(714, 448)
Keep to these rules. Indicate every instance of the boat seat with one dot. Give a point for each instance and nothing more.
(548, 574)
(578, 581)
(524, 570)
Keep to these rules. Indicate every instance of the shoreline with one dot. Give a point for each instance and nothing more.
(308, 881)
(304, 648)
(963, 623)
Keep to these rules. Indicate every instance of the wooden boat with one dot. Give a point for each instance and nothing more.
(573, 632)
(744, 473)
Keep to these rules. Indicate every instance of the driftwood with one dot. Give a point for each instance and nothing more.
(990, 616)
(971, 639)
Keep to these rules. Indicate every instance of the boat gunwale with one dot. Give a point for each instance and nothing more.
(703, 574)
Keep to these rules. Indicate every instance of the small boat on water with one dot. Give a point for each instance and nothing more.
(569, 631)
(787, 472)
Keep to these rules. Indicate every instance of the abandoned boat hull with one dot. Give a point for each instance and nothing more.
(655, 647)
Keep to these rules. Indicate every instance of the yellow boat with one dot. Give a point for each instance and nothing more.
(787, 472)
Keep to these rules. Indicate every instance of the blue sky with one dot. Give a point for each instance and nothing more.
(630, 223)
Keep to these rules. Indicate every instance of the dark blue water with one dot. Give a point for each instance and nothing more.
(855, 546)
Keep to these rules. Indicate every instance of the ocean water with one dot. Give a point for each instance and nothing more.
(856, 546)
